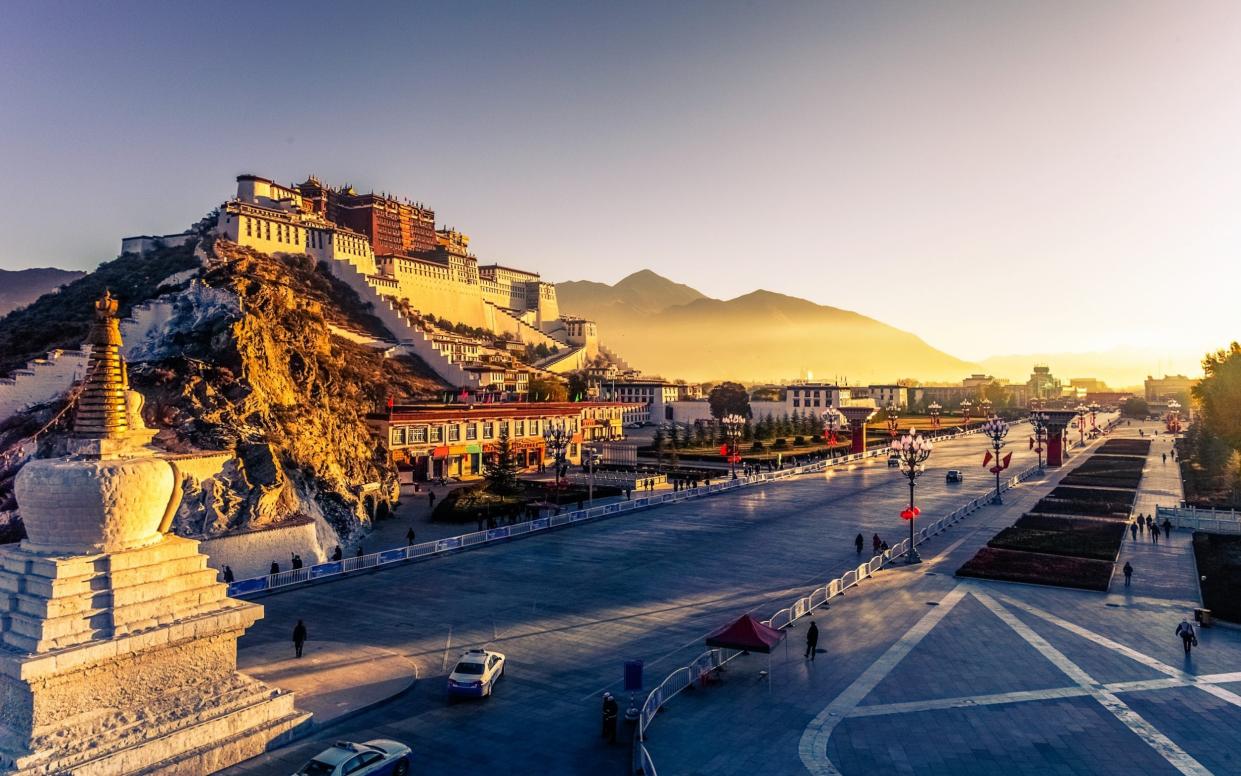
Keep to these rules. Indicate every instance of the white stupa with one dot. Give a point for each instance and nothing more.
(118, 647)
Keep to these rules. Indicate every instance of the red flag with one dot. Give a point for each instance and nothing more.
(986, 460)
(1031, 443)
(1007, 458)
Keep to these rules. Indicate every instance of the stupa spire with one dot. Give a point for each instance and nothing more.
(102, 411)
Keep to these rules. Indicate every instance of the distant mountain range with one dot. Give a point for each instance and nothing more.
(19, 288)
(671, 329)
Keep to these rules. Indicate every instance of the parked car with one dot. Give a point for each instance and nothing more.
(380, 757)
(894, 460)
(955, 475)
(476, 673)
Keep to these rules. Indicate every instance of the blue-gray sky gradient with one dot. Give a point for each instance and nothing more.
(1058, 172)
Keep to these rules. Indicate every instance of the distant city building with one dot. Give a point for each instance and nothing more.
(1168, 386)
(977, 382)
(803, 396)
(1089, 384)
(654, 394)
(884, 395)
(1042, 384)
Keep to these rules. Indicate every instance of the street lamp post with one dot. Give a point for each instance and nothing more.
(592, 457)
(893, 420)
(733, 424)
(996, 430)
(556, 437)
(912, 451)
(1094, 415)
(831, 424)
(985, 407)
(1173, 422)
(1038, 422)
(934, 408)
(1081, 410)
(965, 412)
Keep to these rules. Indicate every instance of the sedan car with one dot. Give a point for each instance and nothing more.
(476, 673)
(955, 475)
(380, 757)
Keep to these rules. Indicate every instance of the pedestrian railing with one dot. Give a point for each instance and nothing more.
(453, 544)
(1211, 520)
(683, 677)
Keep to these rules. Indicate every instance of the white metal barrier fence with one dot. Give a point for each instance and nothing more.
(1213, 520)
(708, 661)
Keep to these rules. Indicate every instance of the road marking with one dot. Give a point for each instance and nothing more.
(1176, 756)
(813, 745)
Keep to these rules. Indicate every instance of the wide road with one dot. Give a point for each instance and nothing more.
(569, 607)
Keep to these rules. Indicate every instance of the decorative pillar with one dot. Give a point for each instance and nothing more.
(1057, 422)
(857, 417)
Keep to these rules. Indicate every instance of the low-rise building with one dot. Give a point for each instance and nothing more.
(885, 395)
(803, 396)
(457, 440)
(1168, 386)
(655, 393)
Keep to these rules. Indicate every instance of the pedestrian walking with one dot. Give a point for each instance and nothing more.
(858, 542)
(431, 499)
(1141, 523)
(1133, 530)
(611, 710)
(228, 574)
(338, 553)
(1128, 573)
(812, 640)
(409, 536)
(1154, 534)
(275, 568)
(299, 637)
(1165, 458)
(358, 552)
(1189, 639)
(1167, 528)
(875, 542)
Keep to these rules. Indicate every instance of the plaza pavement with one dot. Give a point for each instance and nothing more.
(925, 673)
(569, 607)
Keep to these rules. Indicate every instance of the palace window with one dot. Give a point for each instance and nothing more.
(521, 428)
(437, 433)
(534, 428)
(248, 221)
(454, 433)
(471, 431)
(398, 435)
(418, 434)
(489, 430)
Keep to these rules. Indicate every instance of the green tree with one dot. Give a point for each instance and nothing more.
(579, 387)
(500, 471)
(729, 399)
(547, 389)
(1219, 394)
(1134, 407)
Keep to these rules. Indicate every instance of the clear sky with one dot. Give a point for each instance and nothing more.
(997, 177)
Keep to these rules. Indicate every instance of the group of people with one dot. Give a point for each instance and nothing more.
(878, 546)
(1145, 523)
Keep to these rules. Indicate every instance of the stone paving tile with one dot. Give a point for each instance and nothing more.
(971, 649)
(1104, 665)
(1206, 727)
(1075, 734)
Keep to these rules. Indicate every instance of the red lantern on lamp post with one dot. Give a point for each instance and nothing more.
(912, 451)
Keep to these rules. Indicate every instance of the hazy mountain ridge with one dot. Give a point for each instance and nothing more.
(674, 330)
(19, 288)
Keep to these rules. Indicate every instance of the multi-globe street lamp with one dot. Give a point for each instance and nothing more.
(1081, 411)
(911, 451)
(556, 436)
(893, 420)
(934, 408)
(593, 458)
(965, 412)
(1038, 422)
(1094, 415)
(984, 407)
(996, 429)
(1173, 422)
(831, 424)
(733, 425)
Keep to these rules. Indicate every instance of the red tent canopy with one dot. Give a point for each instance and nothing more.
(746, 633)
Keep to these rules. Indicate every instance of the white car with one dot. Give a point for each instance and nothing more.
(380, 757)
(476, 673)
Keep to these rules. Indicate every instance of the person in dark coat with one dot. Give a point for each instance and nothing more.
(859, 542)
(611, 710)
(1189, 639)
(1167, 528)
(875, 541)
(337, 553)
(228, 574)
(1133, 530)
(359, 552)
(812, 640)
(1128, 573)
(431, 499)
(410, 536)
(275, 568)
(299, 637)
(296, 561)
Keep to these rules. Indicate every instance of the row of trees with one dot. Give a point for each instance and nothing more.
(711, 433)
(1211, 448)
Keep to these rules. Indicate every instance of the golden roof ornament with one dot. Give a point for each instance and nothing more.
(102, 409)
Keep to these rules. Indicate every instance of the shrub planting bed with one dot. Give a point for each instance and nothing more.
(1219, 566)
(1063, 506)
(1057, 522)
(1108, 471)
(1038, 568)
(476, 502)
(1124, 497)
(1080, 539)
(1138, 447)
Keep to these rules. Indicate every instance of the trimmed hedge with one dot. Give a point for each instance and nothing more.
(1099, 541)
(1219, 565)
(1094, 494)
(1108, 471)
(1038, 568)
(1059, 523)
(1138, 447)
(1102, 509)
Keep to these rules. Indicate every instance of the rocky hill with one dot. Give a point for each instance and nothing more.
(247, 364)
(671, 329)
(21, 287)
